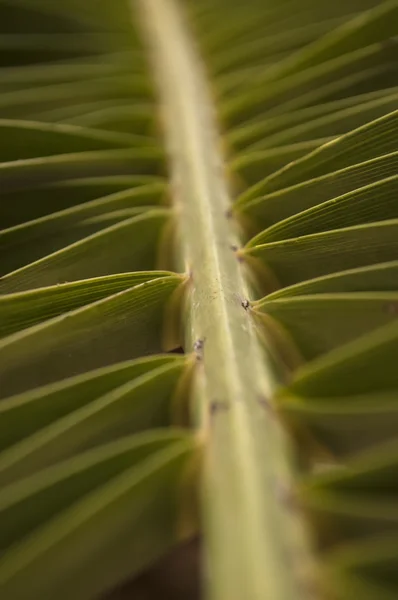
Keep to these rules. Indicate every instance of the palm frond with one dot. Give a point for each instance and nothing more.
(219, 176)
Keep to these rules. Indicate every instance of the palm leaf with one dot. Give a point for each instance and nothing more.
(218, 177)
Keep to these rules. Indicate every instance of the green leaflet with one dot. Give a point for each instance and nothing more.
(96, 255)
(368, 28)
(24, 309)
(377, 468)
(375, 202)
(342, 517)
(363, 366)
(40, 200)
(369, 141)
(123, 118)
(319, 323)
(299, 121)
(345, 425)
(265, 211)
(322, 62)
(248, 52)
(24, 414)
(29, 242)
(358, 72)
(12, 104)
(84, 67)
(347, 586)
(135, 403)
(381, 277)
(23, 49)
(142, 110)
(264, 74)
(243, 24)
(89, 14)
(334, 124)
(124, 325)
(29, 139)
(18, 175)
(367, 569)
(118, 514)
(74, 479)
(359, 497)
(311, 256)
(77, 113)
(257, 164)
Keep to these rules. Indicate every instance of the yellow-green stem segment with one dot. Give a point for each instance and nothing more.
(255, 543)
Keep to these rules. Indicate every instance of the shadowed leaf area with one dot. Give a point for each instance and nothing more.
(198, 300)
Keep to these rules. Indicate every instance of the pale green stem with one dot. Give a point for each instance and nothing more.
(256, 547)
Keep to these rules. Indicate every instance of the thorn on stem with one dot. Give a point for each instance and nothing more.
(217, 406)
(198, 348)
(246, 304)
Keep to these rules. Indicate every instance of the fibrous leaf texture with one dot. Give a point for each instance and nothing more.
(199, 296)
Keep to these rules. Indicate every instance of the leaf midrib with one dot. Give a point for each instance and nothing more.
(246, 525)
